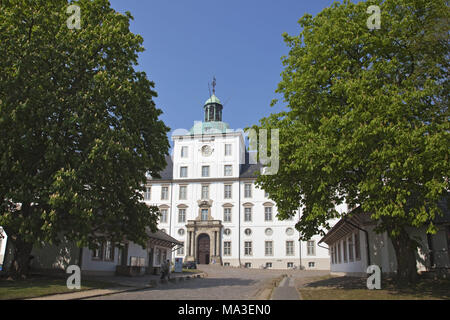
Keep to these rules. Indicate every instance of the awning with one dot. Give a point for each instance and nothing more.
(346, 225)
(163, 239)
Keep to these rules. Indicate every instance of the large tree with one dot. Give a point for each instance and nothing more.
(366, 121)
(79, 128)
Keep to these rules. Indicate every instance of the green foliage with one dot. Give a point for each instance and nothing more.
(367, 120)
(78, 125)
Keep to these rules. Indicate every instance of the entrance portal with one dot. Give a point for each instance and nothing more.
(203, 249)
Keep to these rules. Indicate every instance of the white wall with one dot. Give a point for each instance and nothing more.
(216, 181)
(3, 245)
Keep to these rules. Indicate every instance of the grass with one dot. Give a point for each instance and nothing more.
(41, 286)
(350, 288)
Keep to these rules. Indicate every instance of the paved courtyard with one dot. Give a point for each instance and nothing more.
(221, 283)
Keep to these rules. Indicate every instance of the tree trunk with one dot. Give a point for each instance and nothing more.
(405, 251)
(21, 258)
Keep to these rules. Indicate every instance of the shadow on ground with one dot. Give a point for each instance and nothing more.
(424, 287)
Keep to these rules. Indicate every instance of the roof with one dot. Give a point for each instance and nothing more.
(209, 127)
(212, 99)
(248, 170)
(346, 225)
(163, 238)
(359, 218)
(167, 173)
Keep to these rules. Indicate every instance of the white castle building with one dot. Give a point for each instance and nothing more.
(208, 200)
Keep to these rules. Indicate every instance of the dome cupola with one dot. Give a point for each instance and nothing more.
(213, 107)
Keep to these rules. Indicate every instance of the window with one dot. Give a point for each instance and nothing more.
(227, 191)
(290, 264)
(247, 265)
(357, 246)
(163, 216)
(148, 193)
(184, 152)
(205, 171)
(248, 214)
(350, 248)
(266, 194)
(227, 232)
(181, 216)
(289, 248)
(109, 251)
(228, 149)
(158, 257)
(268, 247)
(97, 254)
(248, 232)
(105, 252)
(339, 252)
(268, 213)
(344, 247)
(268, 232)
(183, 193)
(180, 250)
(335, 253)
(311, 264)
(204, 214)
(311, 248)
(248, 248)
(268, 265)
(164, 193)
(248, 190)
(205, 192)
(332, 254)
(289, 231)
(181, 232)
(226, 214)
(183, 172)
(227, 248)
(228, 170)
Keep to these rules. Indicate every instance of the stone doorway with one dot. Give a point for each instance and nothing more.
(203, 249)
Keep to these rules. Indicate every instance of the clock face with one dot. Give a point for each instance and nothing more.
(206, 151)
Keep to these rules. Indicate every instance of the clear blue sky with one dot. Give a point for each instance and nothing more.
(188, 42)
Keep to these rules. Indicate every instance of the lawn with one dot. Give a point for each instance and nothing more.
(41, 286)
(349, 288)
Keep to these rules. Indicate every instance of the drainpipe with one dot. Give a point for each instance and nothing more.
(299, 244)
(172, 258)
(300, 252)
(367, 239)
(239, 224)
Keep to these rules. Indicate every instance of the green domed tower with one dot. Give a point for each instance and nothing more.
(213, 116)
(213, 109)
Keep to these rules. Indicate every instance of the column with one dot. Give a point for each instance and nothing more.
(215, 243)
(188, 244)
(194, 254)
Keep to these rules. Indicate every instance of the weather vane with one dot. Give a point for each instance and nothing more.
(214, 85)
